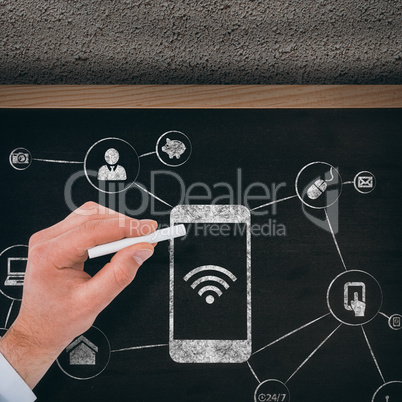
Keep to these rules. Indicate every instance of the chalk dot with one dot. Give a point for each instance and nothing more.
(210, 299)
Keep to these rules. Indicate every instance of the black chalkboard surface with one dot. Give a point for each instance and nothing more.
(325, 299)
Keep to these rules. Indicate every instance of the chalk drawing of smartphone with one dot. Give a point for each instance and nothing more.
(210, 285)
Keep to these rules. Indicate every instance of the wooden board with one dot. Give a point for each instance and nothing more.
(201, 96)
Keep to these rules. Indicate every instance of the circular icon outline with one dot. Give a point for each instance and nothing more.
(382, 386)
(6, 249)
(270, 380)
(22, 168)
(97, 374)
(157, 146)
(332, 312)
(355, 178)
(390, 319)
(297, 190)
(86, 172)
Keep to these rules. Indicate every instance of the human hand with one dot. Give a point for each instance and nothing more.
(358, 306)
(60, 301)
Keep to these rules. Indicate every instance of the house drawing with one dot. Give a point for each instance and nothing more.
(82, 352)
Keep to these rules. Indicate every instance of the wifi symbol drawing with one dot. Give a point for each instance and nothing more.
(210, 278)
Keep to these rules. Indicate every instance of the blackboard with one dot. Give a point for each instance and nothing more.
(292, 263)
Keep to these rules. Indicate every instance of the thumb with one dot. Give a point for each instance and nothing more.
(117, 274)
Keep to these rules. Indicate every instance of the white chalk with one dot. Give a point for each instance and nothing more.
(159, 235)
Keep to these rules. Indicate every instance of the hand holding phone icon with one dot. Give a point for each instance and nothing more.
(356, 305)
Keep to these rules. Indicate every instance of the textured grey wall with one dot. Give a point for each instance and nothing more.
(204, 42)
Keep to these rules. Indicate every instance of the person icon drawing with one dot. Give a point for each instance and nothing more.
(112, 171)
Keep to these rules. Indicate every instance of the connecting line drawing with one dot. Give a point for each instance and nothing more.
(9, 313)
(333, 236)
(142, 188)
(147, 154)
(153, 195)
(253, 372)
(313, 352)
(364, 182)
(290, 333)
(274, 202)
(139, 347)
(55, 161)
(372, 354)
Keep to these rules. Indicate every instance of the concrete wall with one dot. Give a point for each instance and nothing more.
(204, 42)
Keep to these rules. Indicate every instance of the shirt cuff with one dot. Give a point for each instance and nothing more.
(12, 387)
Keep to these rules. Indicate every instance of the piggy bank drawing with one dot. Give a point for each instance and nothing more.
(174, 148)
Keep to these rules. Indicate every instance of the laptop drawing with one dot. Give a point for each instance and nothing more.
(15, 271)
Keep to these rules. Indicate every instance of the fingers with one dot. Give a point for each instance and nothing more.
(71, 247)
(88, 211)
(116, 275)
(356, 297)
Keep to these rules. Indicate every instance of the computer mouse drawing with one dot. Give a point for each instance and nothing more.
(316, 189)
(319, 187)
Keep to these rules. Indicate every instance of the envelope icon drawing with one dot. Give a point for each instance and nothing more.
(365, 182)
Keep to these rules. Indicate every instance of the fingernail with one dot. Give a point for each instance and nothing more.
(148, 226)
(142, 255)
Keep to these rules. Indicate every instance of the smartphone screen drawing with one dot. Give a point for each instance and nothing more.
(210, 285)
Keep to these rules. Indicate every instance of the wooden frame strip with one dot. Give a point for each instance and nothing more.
(200, 96)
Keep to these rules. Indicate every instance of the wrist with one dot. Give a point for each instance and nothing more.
(29, 357)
